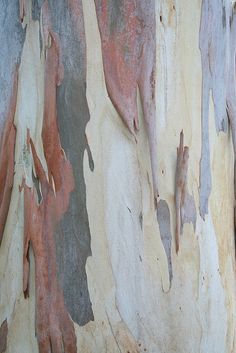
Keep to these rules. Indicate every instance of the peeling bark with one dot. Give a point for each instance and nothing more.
(184, 203)
(3, 336)
(73, 116)
(7, 150)
(54, 328)
(129, 54)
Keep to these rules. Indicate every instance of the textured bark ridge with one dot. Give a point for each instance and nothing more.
(73, 116)
(54, 328)
(7, 150)
(128, 37)
(3, 336)
(184, 203)
(213, 45)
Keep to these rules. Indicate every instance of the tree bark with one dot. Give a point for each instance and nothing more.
(117, 181)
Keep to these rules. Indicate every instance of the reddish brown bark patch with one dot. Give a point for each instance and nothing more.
(7, 152)
(54, 327)
(3, 336)
(128, 33)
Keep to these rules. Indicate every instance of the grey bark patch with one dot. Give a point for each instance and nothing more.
(163, 218)
(212, 42)
(231, 94)
(12, 37)
(3, 336)
(188, 211)
(116, 15)
(73, 235)
(205, 165)
(36, 8)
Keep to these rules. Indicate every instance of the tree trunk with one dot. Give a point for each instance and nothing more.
(117, 188)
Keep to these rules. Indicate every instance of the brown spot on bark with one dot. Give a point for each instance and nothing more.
(129, 55)
(3, 336)
(7, 149)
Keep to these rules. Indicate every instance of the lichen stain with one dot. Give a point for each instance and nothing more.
(184, 203)
(7, 153)
(129, 58)
(3, 336)
(54, 327)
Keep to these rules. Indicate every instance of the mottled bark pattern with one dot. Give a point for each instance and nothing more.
(213, 31)
(73, 116)
(3, 336)
(54, 328)
(128, 34)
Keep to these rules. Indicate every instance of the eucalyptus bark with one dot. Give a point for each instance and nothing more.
(117, 185)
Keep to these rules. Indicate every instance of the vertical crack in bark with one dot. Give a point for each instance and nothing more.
(129, 57)
(184, 203)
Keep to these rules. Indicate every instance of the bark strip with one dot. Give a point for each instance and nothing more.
(184, 203)
(128, 37)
